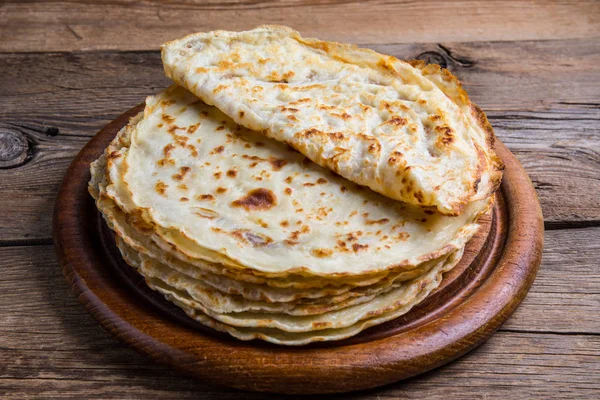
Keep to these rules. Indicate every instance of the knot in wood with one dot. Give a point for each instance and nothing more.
(14, 148)
(432, 57)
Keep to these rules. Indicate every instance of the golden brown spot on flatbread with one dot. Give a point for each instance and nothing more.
(205, 197)
(182, 172)
(377, 222)
(257, 199)
(168, 149)
(336, 135)
(321, 181)
(225, 64)
(164, 161)
(402, 236)
(172, 129)
(322, 253)
(262, 223)
(218, 175)
(232, 173)
(289, 179)
(180, 140)
(308, 184)
(184, 199)
(220, 128)
(193, 150)
(219, 88)
(221, 190)
(419, 196)
(217, 150)
(300, 101)
(288, 191)
(358, 247)
(285, 224)
(277, 163)
(241, 114)
(167, 118)
(193, 128)
(161, 187)
(446, 135)
(320, 324)
(398, 121)
(395, 158)
(343, 189)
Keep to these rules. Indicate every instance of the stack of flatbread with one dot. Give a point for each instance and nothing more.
(295, 190)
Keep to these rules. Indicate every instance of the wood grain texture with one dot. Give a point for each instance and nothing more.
(541, 97)
(51, 347)
(452, 322)
(133, 25)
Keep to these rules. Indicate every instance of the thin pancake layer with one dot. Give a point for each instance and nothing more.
(206, 297)
(372, 118)
(217, 192)
(301, 338)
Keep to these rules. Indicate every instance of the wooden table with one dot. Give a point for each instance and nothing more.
(67, 68)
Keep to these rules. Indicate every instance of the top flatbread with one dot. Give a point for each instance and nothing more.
(220, 193)
(409, 133)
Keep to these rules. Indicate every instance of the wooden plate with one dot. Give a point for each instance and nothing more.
(476, 297)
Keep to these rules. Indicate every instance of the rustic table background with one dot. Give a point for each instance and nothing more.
(67, 68)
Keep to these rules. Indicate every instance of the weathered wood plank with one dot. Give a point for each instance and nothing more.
(51, 347)
(128, 25)
(509, 365)
(566, 294)
(542, 98)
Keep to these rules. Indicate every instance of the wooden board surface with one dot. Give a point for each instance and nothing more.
(534, 66)
(497, 269)
(135, 25)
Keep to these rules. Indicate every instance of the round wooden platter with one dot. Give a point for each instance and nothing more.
(475, 298)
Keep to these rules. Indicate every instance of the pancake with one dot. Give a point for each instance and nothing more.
(373, 119)
(279, 215)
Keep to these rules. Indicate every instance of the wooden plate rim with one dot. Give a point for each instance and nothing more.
(304, 370)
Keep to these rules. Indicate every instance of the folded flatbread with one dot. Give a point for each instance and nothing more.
(407, 132)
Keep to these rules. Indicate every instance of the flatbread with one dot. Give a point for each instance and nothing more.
(373, 119)
(277, 336)
(279, 215)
